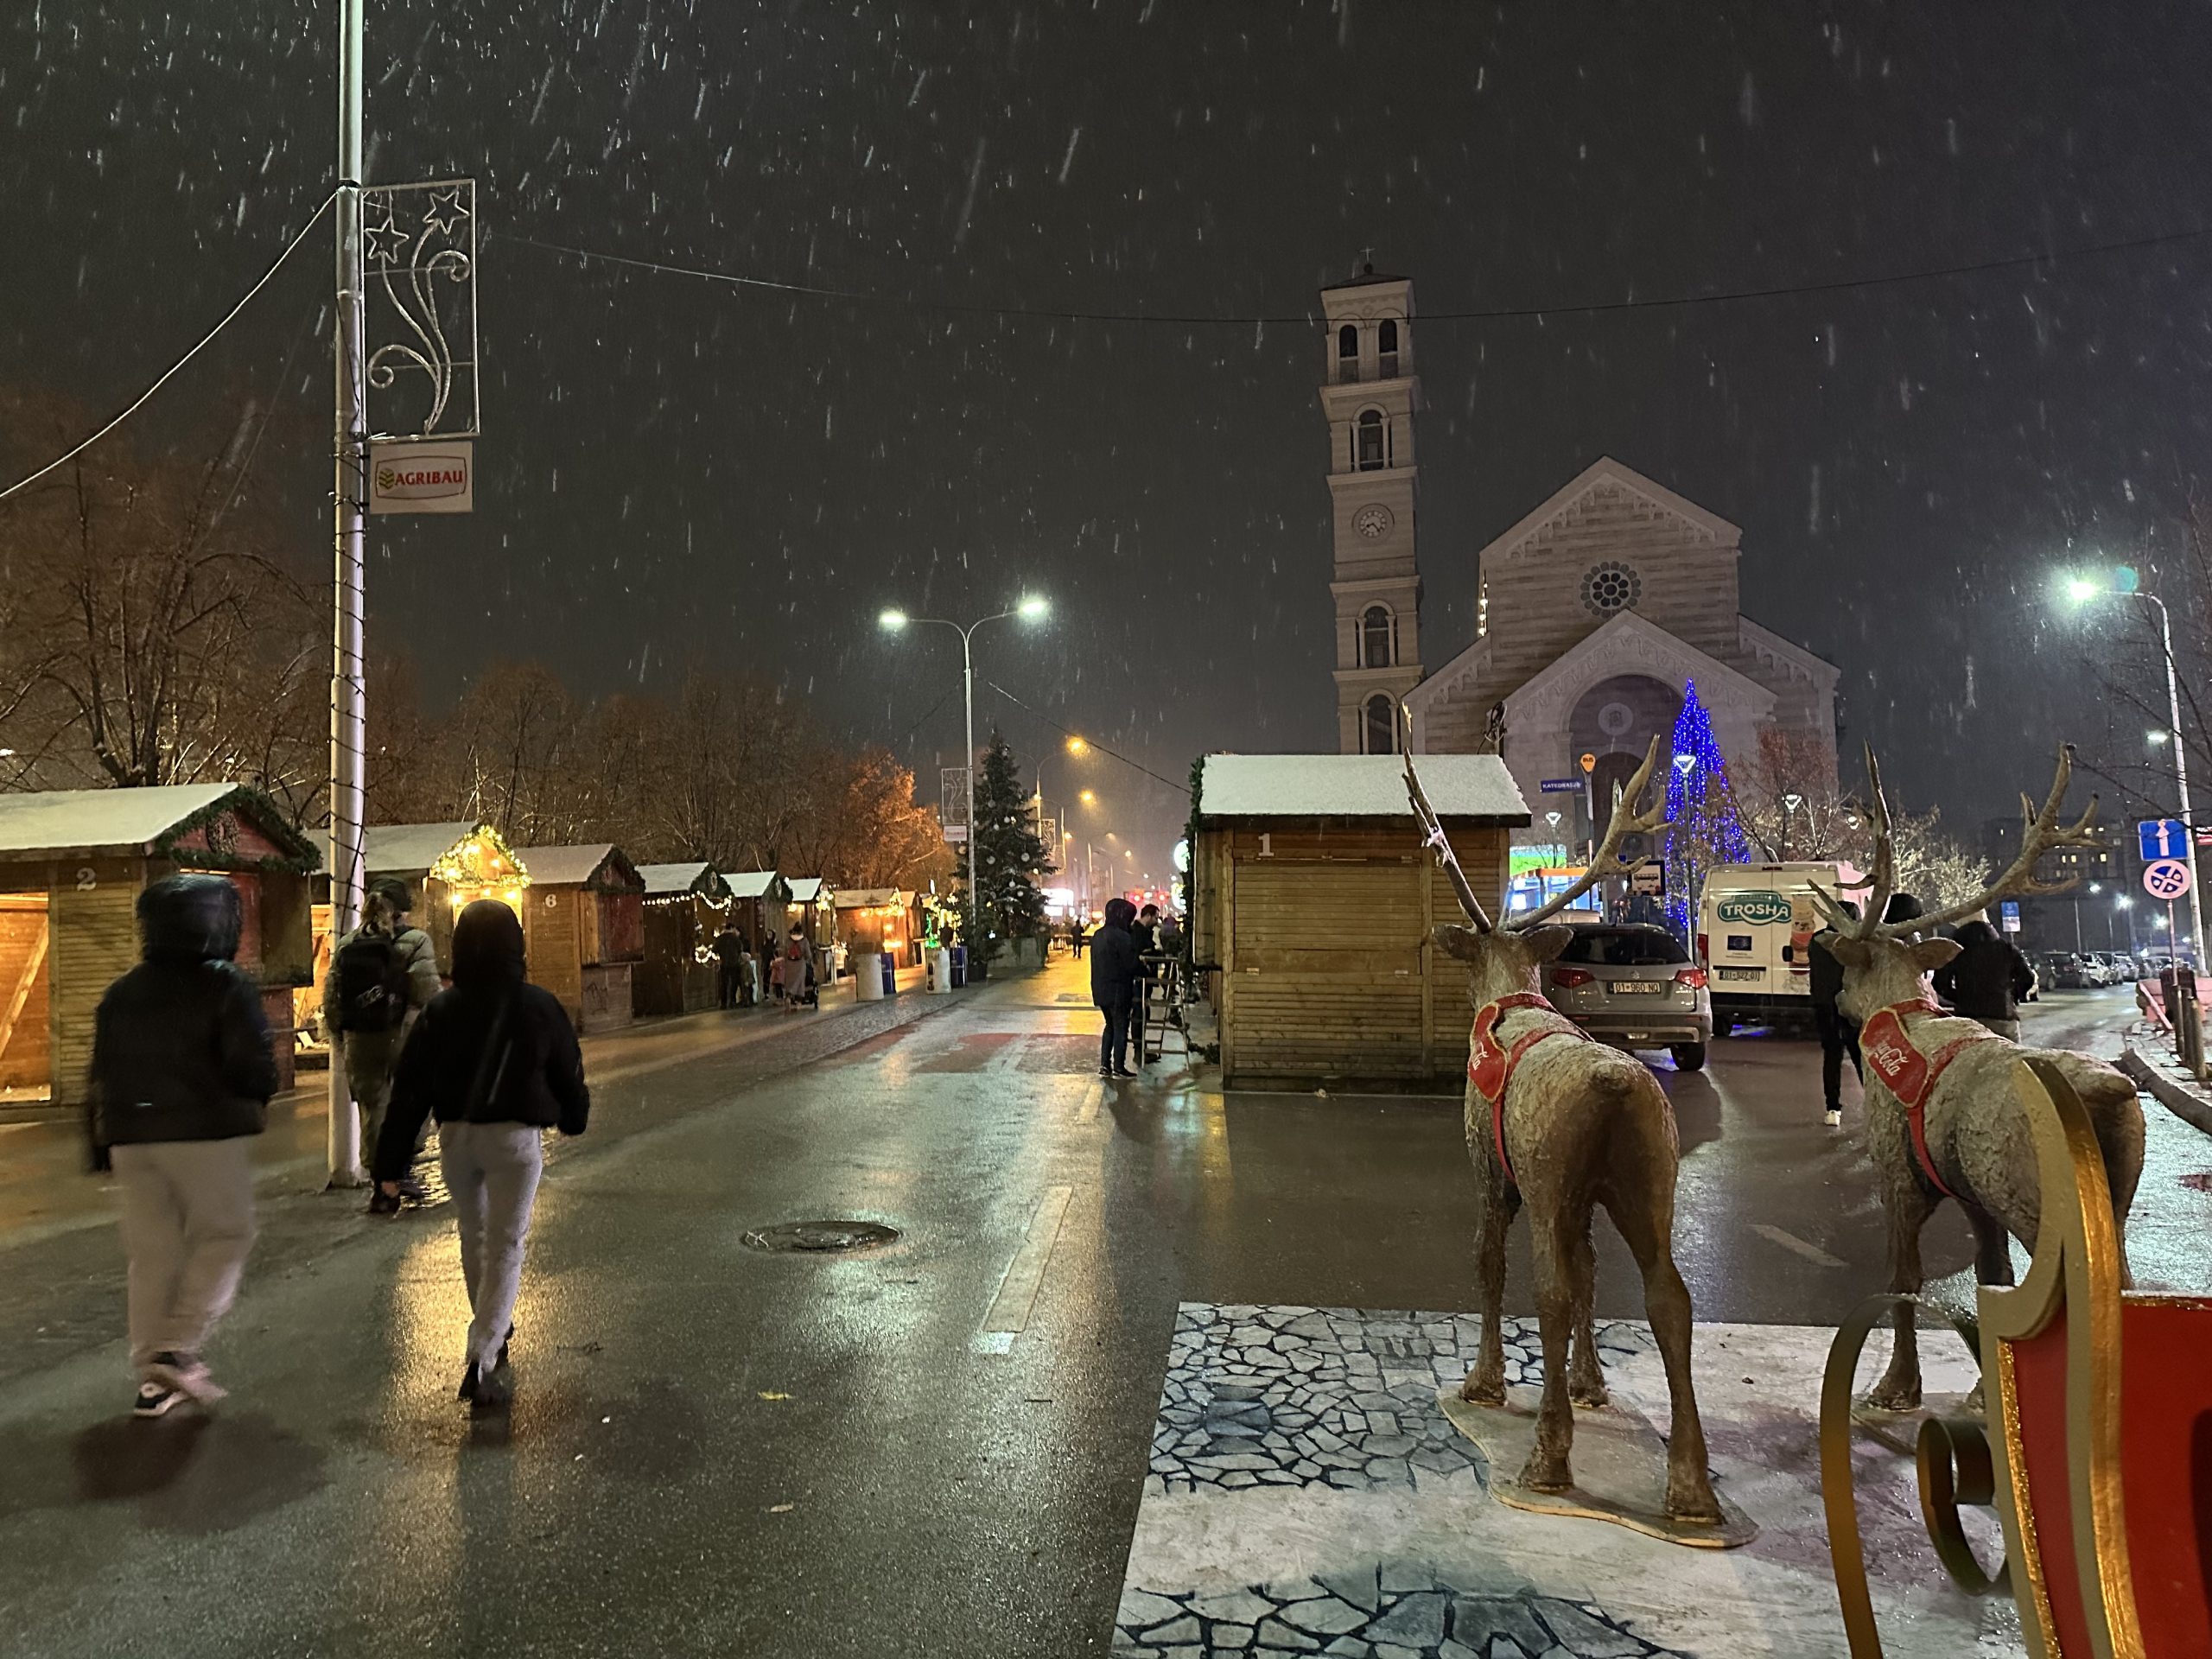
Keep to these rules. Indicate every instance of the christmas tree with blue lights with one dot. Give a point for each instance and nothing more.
(1705, 831)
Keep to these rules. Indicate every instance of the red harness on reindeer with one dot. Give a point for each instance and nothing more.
(1912, 1076)
(1490, 1066)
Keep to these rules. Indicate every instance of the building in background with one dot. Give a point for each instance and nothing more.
(1593, 613)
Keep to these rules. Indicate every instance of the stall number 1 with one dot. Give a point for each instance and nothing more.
(1267, 844)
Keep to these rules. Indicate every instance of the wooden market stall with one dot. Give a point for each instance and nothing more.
(1315, 894)
(685, 907)
(761, 901)
(73, 863)
(880, 919)
(584, 926)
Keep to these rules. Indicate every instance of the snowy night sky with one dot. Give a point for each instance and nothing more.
(675, 470)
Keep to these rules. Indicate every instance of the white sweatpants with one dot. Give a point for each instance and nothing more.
(491, 1170)
(187, 1224)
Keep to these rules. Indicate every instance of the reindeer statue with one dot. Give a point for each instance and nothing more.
(1561, 1122)
(1943, 1119)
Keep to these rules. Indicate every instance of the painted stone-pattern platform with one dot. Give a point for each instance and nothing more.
(1305, 1494)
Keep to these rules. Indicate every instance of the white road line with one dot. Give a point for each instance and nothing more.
(1026, 1272)
(1791, 1241)
(1092, 1097)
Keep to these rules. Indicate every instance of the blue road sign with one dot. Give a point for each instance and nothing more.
(2162, 838)
(1561, 785)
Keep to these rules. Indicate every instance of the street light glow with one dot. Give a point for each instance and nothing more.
(1089, 797)
(892, 619)
(1033, 608)
(2155, 738)
(1076, 745)
(2080, 590)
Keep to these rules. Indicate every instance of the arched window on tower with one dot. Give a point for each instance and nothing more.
(1371, 459)
(1381, 734)
(1386, 344)
(1378, 648)
(1347, 354)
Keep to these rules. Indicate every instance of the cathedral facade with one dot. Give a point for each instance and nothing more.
(1593, 614)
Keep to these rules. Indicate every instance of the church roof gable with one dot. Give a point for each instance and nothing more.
(1599, 473)
(1630, 643)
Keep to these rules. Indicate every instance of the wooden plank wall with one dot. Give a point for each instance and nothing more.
(95, 941)
(554, 940)
(1322, 929)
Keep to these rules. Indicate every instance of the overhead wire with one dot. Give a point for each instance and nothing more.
(142, 398)
(1089, 743)
(1492, 314)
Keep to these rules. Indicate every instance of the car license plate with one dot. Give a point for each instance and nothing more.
(1742, 973)
(1636, 986)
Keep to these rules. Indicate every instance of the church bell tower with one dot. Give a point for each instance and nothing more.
(1369, 391)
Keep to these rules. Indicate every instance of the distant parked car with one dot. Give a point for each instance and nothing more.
(1634, 987)
(2063, 970)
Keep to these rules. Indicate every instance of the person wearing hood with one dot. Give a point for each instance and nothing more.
(382, 976)
(1839, 1036)
(181, 1075)
(1115, 969)
(495, 1061)
(1988, 978)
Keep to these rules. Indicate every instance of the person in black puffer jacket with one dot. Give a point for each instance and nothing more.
(495, 1061)
(1839, 1036)
(181, 1075)
(1988, 978)
(1114, 971)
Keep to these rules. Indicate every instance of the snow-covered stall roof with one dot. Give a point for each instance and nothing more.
(805, 889)
(1357, 786)
(411, 848)
(873, 898)
(754, 884)
(602, 865)
(663, 880)
(130, 820)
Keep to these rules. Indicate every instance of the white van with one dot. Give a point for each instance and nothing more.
(1754, 923)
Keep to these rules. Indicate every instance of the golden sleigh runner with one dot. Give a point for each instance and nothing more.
(2094, 1445)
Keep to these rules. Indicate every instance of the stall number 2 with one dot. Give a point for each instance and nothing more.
(87, 878)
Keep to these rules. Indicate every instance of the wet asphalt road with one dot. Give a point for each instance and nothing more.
(717, 1451)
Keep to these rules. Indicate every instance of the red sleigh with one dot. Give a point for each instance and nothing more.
(2095, 1446)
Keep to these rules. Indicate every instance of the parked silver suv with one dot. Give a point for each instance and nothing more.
(1634, 987)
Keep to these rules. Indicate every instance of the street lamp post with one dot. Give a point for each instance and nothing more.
(1030, 608)
(1790, 803)
(2120, 584)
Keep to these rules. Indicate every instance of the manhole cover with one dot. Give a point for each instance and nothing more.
(819, 1237)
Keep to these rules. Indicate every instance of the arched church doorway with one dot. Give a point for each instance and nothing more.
(1616, 721)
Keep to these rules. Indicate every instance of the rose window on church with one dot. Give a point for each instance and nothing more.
(1610, 587)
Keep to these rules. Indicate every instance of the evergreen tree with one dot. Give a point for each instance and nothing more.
(1705, 830)
(1009, 856)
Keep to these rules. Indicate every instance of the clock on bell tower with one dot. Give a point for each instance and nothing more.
(1369, 392)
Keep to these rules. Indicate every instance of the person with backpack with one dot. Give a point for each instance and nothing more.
(495, 1061)
(381, 976)
(181, 1075)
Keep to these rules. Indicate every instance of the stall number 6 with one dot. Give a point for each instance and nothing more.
(87, 878)
(552, 899)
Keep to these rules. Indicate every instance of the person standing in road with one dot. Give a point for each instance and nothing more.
(729, 966)
(382, 974)
(1114, 973)
(181, 1075)
(1988, 978)
(495, 1061)
(1839, 1036)
(1076, 938)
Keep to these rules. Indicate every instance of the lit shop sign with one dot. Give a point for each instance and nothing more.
(423, 477)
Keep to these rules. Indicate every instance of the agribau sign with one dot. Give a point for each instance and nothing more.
(435, 477)
(1755, 909)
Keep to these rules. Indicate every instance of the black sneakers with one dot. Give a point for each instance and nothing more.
(155, 1400)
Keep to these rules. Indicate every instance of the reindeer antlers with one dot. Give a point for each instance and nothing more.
(2041, 833)
(1433, 829)
(1626, 821)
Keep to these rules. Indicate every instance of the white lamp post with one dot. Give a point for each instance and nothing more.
(1032, 607)
(2120, 583)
